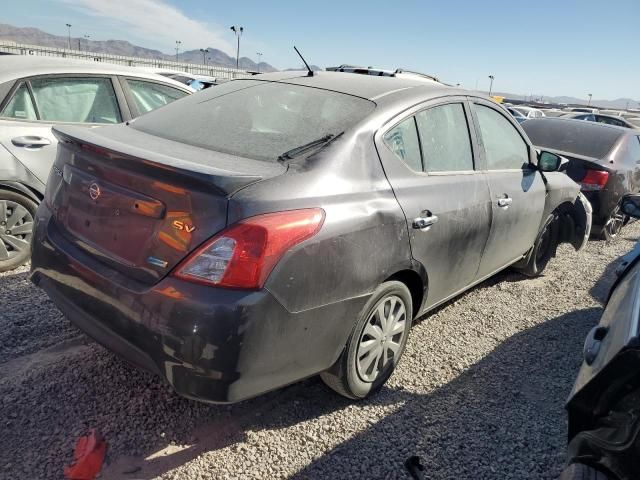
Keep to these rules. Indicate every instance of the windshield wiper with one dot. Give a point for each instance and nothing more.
(320, 142)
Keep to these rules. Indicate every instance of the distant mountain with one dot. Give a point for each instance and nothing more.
(34, 36)
(619, 103)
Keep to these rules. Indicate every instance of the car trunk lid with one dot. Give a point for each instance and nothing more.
(140, 203)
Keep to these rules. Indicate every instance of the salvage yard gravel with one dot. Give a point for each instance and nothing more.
(479, 393)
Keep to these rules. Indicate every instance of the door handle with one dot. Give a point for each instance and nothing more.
(30, 141)
(424, 223)
(593, 343)
(505, 201)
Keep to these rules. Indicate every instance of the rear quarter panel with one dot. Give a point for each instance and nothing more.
(363, 240)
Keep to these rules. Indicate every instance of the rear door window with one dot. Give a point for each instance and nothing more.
(76, 99)
(402, 140)
(444, 137)
(504, 148)
(148, 96)
(21, 105)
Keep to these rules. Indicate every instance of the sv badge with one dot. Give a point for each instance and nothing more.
(178, 225)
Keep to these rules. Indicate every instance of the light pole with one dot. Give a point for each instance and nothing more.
(178, 43)
(589, 104)
(491, 77)
(69, 42)
(204, 55)
(259, 57)
(238, 31)
(86, 37)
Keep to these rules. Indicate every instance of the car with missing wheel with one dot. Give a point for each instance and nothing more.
(604, 159)
(275, 228)
(37, 93)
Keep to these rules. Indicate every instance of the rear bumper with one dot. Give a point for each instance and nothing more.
(602, 202)
(215, 345)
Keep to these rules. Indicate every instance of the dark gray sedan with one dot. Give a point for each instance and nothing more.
(274, 228)
(603, 159)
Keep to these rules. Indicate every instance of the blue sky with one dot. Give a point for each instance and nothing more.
(561, 47)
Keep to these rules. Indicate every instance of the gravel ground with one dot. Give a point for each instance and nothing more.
(479, 393)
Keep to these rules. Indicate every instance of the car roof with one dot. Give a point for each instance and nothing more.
(13, 67)
(370, 87)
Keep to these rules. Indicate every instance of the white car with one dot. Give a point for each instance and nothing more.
(529, 112)
(37, 93)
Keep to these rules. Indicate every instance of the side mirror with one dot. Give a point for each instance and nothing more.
(630, 205)
(550, 162)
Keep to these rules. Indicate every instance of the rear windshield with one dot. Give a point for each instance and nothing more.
(255, 119)
(572, 136)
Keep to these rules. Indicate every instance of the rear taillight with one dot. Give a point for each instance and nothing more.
(243, 255)
(594, 180)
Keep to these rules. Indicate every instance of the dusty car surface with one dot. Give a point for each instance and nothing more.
(604, 420)
(37, 93)
(603, 159)
(275, 228)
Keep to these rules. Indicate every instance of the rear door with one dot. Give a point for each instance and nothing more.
(516, 187)
(429, 159)
(38, 103)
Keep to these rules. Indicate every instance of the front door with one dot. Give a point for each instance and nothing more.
(517, 189)
(428, 157)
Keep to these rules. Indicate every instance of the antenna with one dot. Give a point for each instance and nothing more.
(310, 74)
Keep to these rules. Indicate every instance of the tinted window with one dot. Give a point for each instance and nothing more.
(581, 138)
(255, 119)
(149, 96)
(444, 136)
(503, 145)
(20, 106)
(85, 100)
(403, 141)
(610, 121)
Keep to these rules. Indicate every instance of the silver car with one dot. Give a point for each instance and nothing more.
(37, 93)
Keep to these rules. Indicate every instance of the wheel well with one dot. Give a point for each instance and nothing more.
(566, 228)
(24, 191)
(415, 285)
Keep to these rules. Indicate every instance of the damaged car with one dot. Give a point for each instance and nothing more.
(604, 405)
(275, 228)
(603, 159)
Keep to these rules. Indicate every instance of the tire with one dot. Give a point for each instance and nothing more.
(579, 471)
(543, 249)
(16, 221)
(612, 227)
(358, 374)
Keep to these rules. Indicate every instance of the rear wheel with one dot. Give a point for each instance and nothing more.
(543, 250)
(16, 221)
(613, 225)
(375, 345)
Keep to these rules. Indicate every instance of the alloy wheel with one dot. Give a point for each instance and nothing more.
(16, 223)
(381, 338)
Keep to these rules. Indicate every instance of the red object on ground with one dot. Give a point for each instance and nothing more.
(88, 457)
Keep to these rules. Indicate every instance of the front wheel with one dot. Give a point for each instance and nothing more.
(16, 221)
(375, 345)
